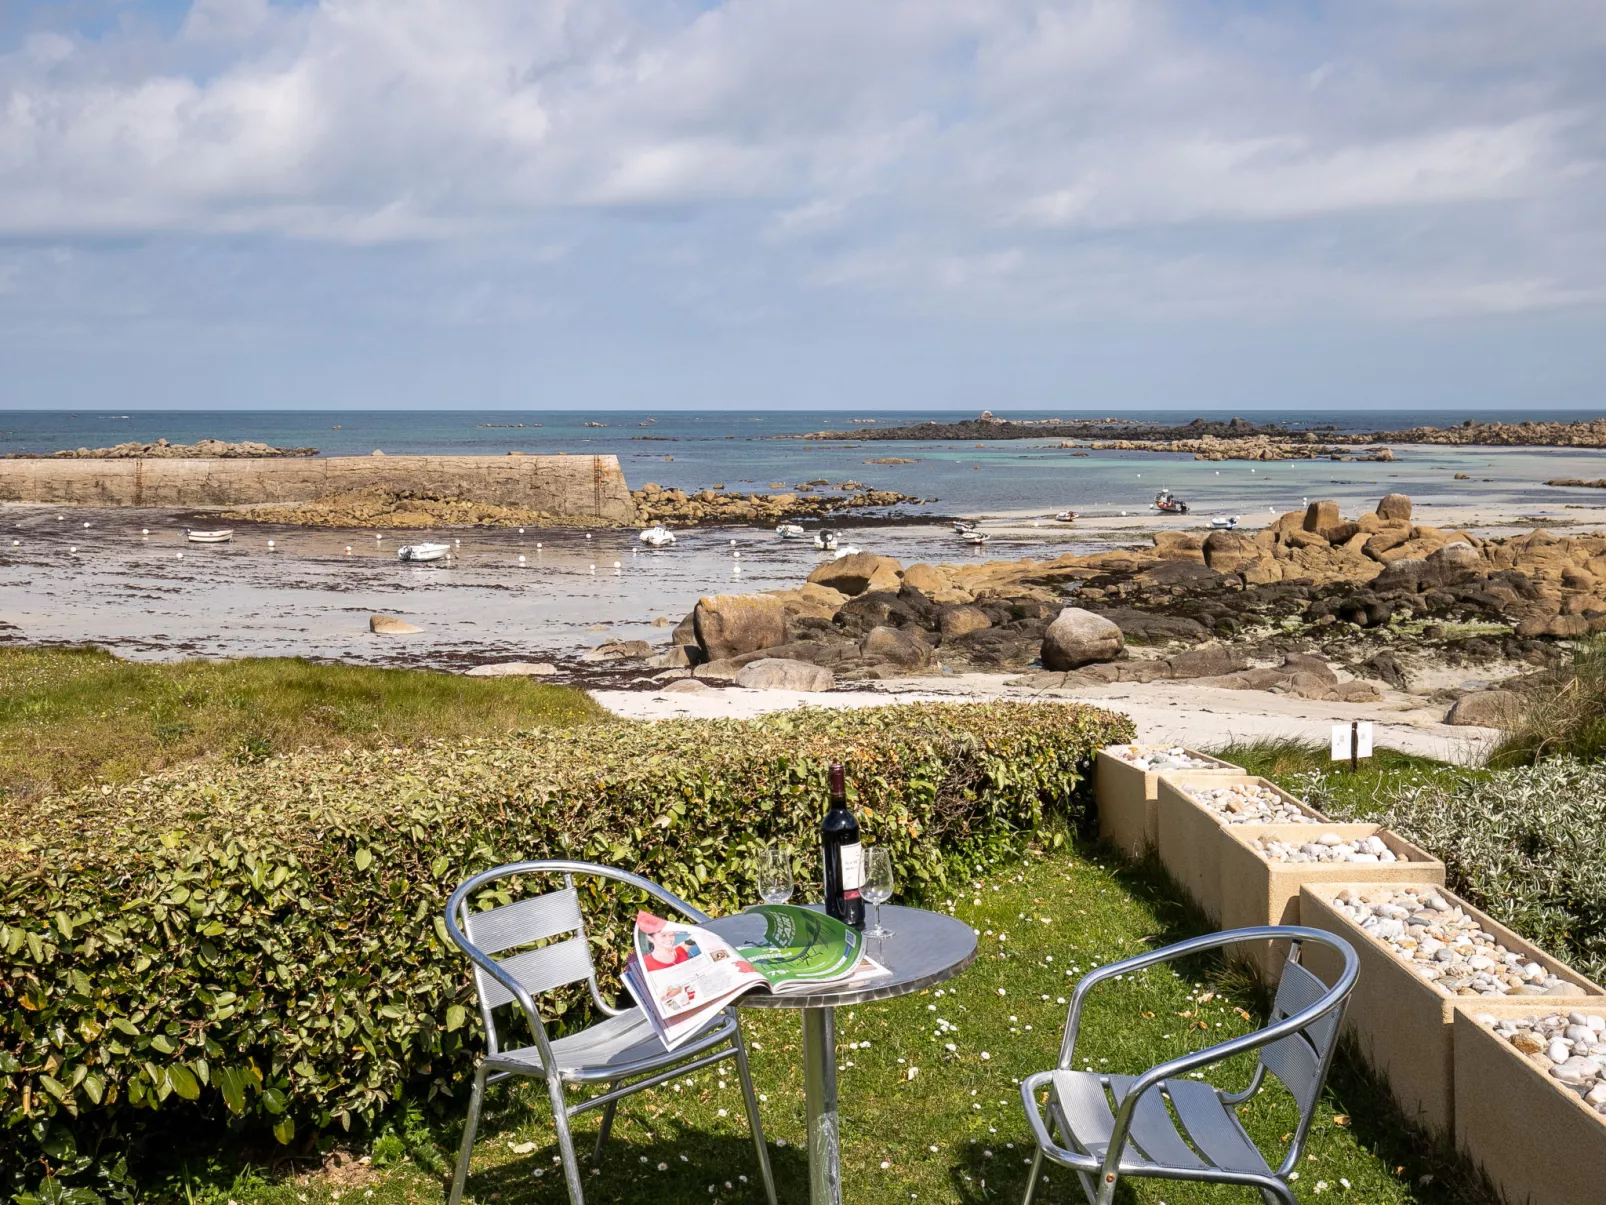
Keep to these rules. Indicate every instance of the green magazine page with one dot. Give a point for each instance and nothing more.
(801, 945)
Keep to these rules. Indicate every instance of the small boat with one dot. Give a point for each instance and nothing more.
(845, 550)
(221, 536)
(974, 538)
(790, 531)
(423, 552)
(825, 540)
(1224, 522)
(1066, 516)
(657, 536)
(1168, 503)
(963, 525)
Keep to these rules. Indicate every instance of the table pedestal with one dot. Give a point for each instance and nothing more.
(819, 1089)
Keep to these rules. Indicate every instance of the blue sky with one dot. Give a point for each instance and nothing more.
(934, 203)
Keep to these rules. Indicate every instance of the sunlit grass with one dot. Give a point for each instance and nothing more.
(74, 716)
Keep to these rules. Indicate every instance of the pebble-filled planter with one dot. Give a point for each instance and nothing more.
(1524, 1078)
(1190, 814)
(1126, 780)
(1263, 868)
(1422, 950)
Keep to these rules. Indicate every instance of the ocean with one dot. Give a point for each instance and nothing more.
(747, 450)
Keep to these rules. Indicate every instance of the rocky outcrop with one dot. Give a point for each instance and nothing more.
(162, 450)
(389, 625)
(858, 572)
(728, 625)
(1484, 709)
(1077, 638)
(677, 508)
(779, 673)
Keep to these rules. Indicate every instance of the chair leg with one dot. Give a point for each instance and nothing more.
(602, 1134)
(1031, 1180)
(466, 1151)
(571, 1165)
(753, 1123)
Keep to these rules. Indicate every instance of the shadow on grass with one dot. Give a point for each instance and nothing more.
(1434, 1171)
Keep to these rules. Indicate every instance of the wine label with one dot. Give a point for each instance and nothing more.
(852, 870)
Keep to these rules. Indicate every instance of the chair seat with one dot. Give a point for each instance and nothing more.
(612, 1048)
(1210, 1136)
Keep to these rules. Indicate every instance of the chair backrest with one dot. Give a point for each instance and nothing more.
(1300, 1059)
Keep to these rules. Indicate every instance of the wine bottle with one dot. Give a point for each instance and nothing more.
(843, 856)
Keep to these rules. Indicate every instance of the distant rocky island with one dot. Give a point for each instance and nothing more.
(163, 450)
(1589, 433)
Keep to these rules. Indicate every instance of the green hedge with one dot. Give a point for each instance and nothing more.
(262, 946)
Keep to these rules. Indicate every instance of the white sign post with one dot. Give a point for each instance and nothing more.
(1352, 741)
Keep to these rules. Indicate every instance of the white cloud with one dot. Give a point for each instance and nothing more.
(1058, 156)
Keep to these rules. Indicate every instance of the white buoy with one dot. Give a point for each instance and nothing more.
(593, 569)
(16, 543)
(617, 565)
(733, 543)
(521, 531)
(144, 531)
(737, 555)
(377, 536)
(181, 556)
(588, 535)
(59, 518)
(737, 569)
(348, 549)
(74, 548)
(270, 545)
(86, 525)
(538, 545)
(521, 558)
(457, 543)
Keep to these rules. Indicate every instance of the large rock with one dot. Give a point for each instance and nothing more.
(1319, 516)
(389, 625)
(926, 578)
(1455, 563)
(728, 625)
(860, 572)
(513, 669)
(1078, 638)
(1484, 709)
(1230, 551)
(896, 646)
(1210, 662)
(1179, 545)
(1395, 508)
(954, 622)
(777, 673)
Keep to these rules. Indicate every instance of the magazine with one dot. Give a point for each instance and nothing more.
(682, 975)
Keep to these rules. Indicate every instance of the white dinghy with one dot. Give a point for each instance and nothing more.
(1224, 522)
(423, 552)
(657, 536)
(974, 538)
(825, 540)
(221, 536)
(790, 531)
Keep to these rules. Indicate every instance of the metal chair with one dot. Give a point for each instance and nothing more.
(1119, 1125)
(620, 1050)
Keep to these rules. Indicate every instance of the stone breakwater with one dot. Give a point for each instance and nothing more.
(1247, 803)
(1443, 946)
(1569, 1048)
(248, 449)
(677, 508)
(586, 489)
(1328, 847)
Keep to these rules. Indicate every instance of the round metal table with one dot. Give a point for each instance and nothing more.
(926, 948)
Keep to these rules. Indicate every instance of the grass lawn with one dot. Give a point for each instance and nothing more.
(69, 717)
(953, 1132)
(1290, 763)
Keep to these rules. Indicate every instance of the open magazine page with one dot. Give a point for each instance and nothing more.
(682, 975)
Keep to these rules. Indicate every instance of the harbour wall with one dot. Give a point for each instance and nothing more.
(579, 487)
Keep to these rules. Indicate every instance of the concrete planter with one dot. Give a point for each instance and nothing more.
(1189, 834)
(1255, 891)
(1401, 1022)
(1126, 798)
(1534, 1138)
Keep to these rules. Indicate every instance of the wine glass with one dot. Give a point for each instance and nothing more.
(878, 884)
(775, 874)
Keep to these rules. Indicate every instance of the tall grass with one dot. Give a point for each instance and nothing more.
(1295, 764)
(70, 717)
(1565, 719)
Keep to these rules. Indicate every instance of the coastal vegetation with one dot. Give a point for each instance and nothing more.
(1564, 716)
(80, 717)
(256, 944)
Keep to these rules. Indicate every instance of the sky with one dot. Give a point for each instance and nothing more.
(246, 204)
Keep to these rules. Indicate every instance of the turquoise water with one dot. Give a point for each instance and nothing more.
(692, 450)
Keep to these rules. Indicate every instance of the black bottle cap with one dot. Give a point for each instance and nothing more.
(838, 786)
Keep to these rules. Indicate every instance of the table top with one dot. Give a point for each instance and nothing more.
(925, 949)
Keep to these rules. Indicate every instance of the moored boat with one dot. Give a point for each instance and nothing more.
(1168, 503)
(790, 531)
(657, 536)
(1066, 516)
(974, 538)
(423, 552)
(1224, 522)
(221, 536)
(825, 540)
